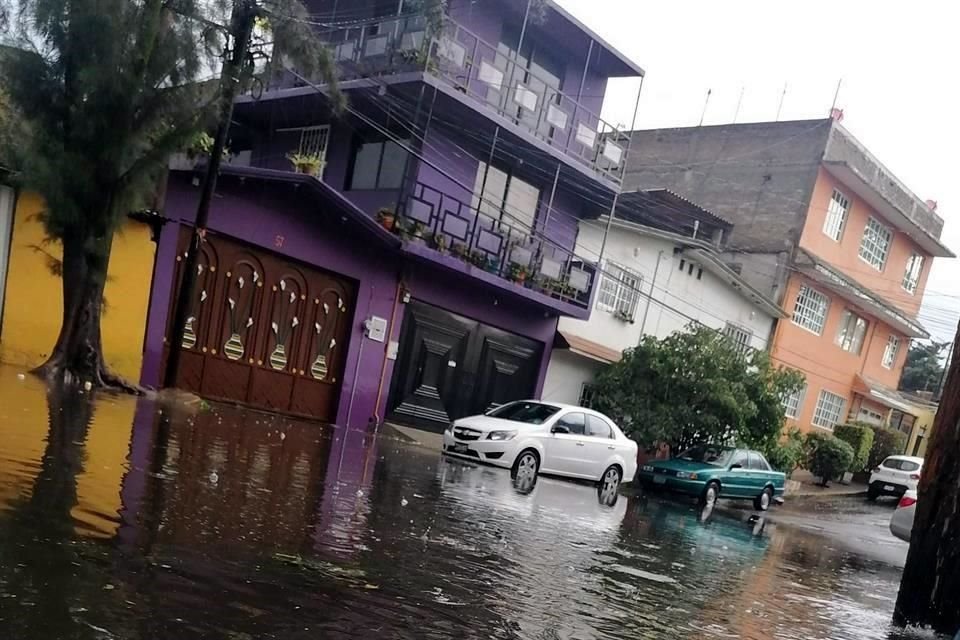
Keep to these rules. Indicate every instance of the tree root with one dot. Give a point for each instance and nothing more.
(54, 371)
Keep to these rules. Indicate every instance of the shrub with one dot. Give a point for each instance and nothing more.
(886, 442)
(787, 454)
(831, 458)
(811, 442)
(858, 435)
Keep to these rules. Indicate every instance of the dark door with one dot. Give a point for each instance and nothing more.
(449, 366)
(264, 331)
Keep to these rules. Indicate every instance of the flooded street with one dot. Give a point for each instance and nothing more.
(125, 518)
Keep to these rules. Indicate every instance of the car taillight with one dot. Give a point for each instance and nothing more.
(906, 501)
(914, 476)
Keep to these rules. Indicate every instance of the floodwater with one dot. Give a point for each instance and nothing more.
(125, 518)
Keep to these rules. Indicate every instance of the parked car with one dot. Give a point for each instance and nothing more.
(530, 437)
(711, 472)
(895, 476)
(901, 524)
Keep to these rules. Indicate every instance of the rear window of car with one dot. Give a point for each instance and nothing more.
(900, 464)
(907, 465)
(757, 462)
(529, 412)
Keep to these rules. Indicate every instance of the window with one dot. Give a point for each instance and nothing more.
(502, 196)
(619, 291)
(529, 412)
(793, 402)
(313, 142)
(757, 462)
(899, 464)
(836, 215)
(829, 410)
(871, 417)
(587, 394)
(875, 244)
(739, 336)
(598, 427)
(890, 351)
(378, 165)
(911, 277)
(852, 331)
(740, 458)
(810, 310)
(576, 423)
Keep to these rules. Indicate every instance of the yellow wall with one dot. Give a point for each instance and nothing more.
(34, 301)
(925, 418)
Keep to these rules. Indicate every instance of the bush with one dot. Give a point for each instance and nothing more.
(886, 443)
(787, 454)
(831, 458)
(811, 443)
(858, 435)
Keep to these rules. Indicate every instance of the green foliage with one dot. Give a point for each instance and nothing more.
(788, 453)
(886, 442)
(695, 386)
(858, 435)
(923, 369)
(831, 458)
(812, 442)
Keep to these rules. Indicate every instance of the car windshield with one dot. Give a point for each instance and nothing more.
(717, 456)
(529, 412)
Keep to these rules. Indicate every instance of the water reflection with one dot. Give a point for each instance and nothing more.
(122, 518)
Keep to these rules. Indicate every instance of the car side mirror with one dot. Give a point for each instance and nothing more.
(736, 465)
(559, 428)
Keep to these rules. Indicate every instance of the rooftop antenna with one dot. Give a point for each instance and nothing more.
(739, 102)
(836, 94)
(705, 103)
(783, 96)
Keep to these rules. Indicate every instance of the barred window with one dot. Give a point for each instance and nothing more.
(890, 351)
(836, 215)
(588, 393)
(619, 291)
(911, 277)
(810, 310)
(852, 331)
(829, 410)
(739, 336)
(794, 402)
(875, 244)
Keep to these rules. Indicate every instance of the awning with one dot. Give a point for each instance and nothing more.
(586, 348)
(884, 395)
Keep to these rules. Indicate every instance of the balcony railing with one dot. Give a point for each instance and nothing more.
(489, 75)
(496, 244)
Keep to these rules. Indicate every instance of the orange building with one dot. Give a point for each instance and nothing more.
(827, 231)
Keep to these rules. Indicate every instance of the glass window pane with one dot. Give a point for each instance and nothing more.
(365, 165)
(521, 203)
(598, 427)
(575, 422)
(392, 167)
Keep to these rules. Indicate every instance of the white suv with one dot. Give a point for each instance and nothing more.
(895, 476)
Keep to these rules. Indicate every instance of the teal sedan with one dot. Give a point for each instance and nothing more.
(710, 472)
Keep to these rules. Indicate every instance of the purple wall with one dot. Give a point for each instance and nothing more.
(257, 213)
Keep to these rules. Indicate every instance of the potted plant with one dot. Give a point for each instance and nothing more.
(623, 316)
(387, 218)
(306, 163)
(493, 264)
(518, 273)
(439, 242)
(478, 259)
(458, 249)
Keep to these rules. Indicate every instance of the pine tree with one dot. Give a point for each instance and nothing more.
(99, 93)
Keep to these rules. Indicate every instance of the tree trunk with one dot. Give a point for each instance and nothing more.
(930, 588)
(77, 356)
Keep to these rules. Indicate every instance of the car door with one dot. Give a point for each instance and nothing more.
(600, 445)
(737, 481)
(565, 446)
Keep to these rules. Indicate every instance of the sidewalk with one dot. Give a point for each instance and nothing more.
(808, 487)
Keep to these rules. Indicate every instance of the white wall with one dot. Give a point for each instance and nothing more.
(709, 300)
(6, 224)
(566, 374)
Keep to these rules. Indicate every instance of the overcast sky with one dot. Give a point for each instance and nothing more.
(899, 92)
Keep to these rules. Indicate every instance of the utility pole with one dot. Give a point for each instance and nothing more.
(930, 587)
(242, 20)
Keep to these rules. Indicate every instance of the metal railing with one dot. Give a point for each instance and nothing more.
(491, 76)
(495, 243)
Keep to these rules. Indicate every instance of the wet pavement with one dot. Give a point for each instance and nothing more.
(135, 519)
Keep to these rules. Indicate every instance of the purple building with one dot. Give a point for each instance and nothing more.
(415, 267)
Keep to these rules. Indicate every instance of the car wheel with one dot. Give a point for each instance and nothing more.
(526, 466)
(762, 501)
(710, 494)
(873, 493)
(610, 483)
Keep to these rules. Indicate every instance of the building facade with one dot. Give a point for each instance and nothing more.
(655, 282)
(824, 228)
(407, 258)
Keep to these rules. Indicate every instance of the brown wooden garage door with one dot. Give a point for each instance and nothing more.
(264, 331)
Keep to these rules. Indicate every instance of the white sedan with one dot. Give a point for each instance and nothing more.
(901, 524)
(530, 437)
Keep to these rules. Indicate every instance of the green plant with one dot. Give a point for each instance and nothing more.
(831, 459)
(858, 435)
(518, 272)
(308, 163)
(786, 454)
(886, 442)
(478, 259)
(439, 242)
(811, 442)
(458, 249)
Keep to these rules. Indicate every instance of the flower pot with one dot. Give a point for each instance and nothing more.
(387, 221)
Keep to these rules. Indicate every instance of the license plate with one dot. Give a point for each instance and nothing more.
(460, 448)
(659, 480)
(888, 487)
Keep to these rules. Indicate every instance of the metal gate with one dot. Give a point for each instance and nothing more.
(263, 330)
